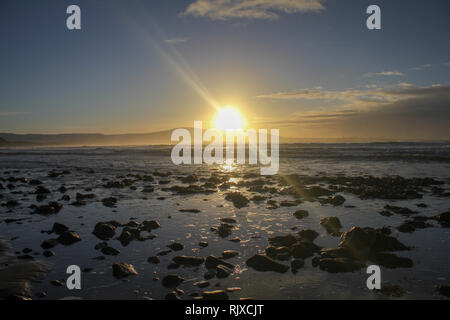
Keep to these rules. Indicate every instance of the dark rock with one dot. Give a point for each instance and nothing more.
(333, 200)
(300, 214)
(399, 210)
(125, 238)
(283, 241)
(331, 224)
(189, 210)
(265, 263)
(389, 260)
(189, 261)
(443, 219)
(171, 281)
(212, 262)
(224, 230)
(203, 244)
(228, 254)
(176, 246)
(335, 265)
(121, 270)
(172, 296)
(304, 249)
(48, 244)
(222, 271)
(110, 251)
(444, 290)
(69, 237)
(202, 284)
(154, 260)
(150, 225)
(308, 234)
(51, 208)
(41, 190)
(239, 201)
(109, 202)
(59, 228)
(104, 231)
(48, 253)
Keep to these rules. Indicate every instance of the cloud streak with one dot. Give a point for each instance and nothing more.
(250, 9)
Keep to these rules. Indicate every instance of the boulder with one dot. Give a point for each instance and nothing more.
(122, 270)
(264, 263)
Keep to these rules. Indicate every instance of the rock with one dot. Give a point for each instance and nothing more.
(265, 263)
(203, 244)
(57, 283)
(188, 261)
(391, 290)
(104, 231)
(228, 254)
(189, 210)
(222, 271)
(171, 281)
(109, 202)
(283, 241)
(154, 260)
(443, 219)
(150, 225)
(333, 200)
(224, 230)
(297, 264)
(69, 237)
(59, 228)
(41, 190)
(82, 197)
(172, 296)
(308, 234)
(48, 253)
(331, 224)
(176, 246)
(212, 262)
(335, 265)
(410, 226)
(51, 208)
(389, 260)
(399, 210)
(300, 214)
(211, 273)
(109, 251)
(363, 242)
(148, 189)
(125, 238)
(48, 244)
(202, 284)
(304, 249)
(228, 220)
(215, 295)
(122, 270)
(239, 201)
(444, 290)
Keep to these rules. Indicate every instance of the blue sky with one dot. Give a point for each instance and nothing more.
(308, 67)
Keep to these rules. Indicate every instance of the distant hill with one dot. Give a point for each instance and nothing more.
(97, 139)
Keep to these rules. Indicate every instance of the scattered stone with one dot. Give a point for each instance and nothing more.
(265, 263)
(171, 281)
(48, 253)
(150, 225)
(239, 201)
(212, 262)
(109, 202)
(59, 228)
(176, 246)
(188, 261)
(332, 225)
(444, 290)
(443, 219)
(69, 237)
(121, 270)
(154, 260)
(189, 210)
(203, 244)
(333, 200)
(109, 251)
(173, 295)
(300, 214)
(48, 244)
(335, 265)
(308, 234)
(222, 271)
(228, 254)
(104, 231)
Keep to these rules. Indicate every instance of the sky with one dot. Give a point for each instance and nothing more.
(310, 68)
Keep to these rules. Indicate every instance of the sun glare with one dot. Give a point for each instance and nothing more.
(229, 119)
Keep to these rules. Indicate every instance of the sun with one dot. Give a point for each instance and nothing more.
(229, 119)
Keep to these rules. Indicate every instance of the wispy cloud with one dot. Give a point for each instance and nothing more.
(384, 73)
(176, 40)
(250, 9)
(422, 67)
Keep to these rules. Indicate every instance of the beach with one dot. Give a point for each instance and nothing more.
(225, 231)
